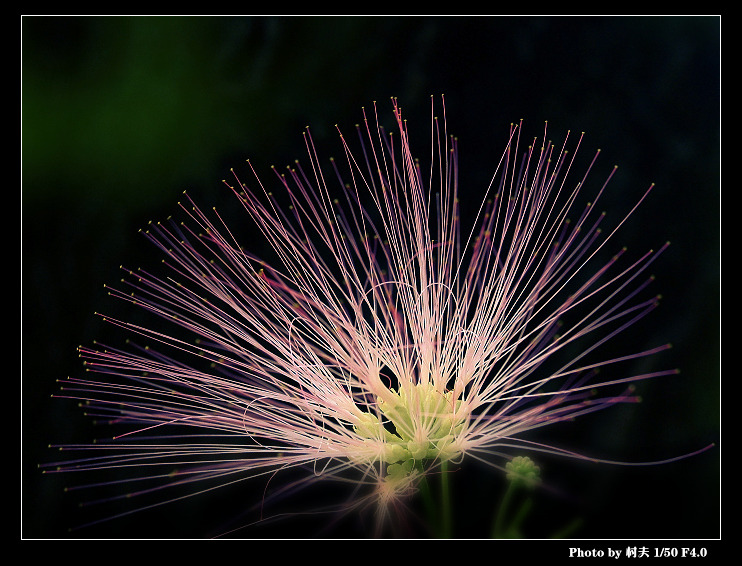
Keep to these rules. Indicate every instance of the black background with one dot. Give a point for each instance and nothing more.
(120, 115)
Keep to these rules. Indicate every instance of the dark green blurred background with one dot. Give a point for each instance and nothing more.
(120, 115)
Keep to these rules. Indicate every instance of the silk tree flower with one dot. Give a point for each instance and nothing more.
(382, 343)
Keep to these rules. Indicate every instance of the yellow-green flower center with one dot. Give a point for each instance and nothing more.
(415, 424)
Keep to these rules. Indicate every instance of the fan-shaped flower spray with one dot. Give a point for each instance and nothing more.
(383, 343)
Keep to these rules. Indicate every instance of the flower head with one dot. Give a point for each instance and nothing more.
(382, 340)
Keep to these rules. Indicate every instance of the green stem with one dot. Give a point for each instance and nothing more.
(497, 531)
(514, 531)
(445, 503)
(428, 500)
